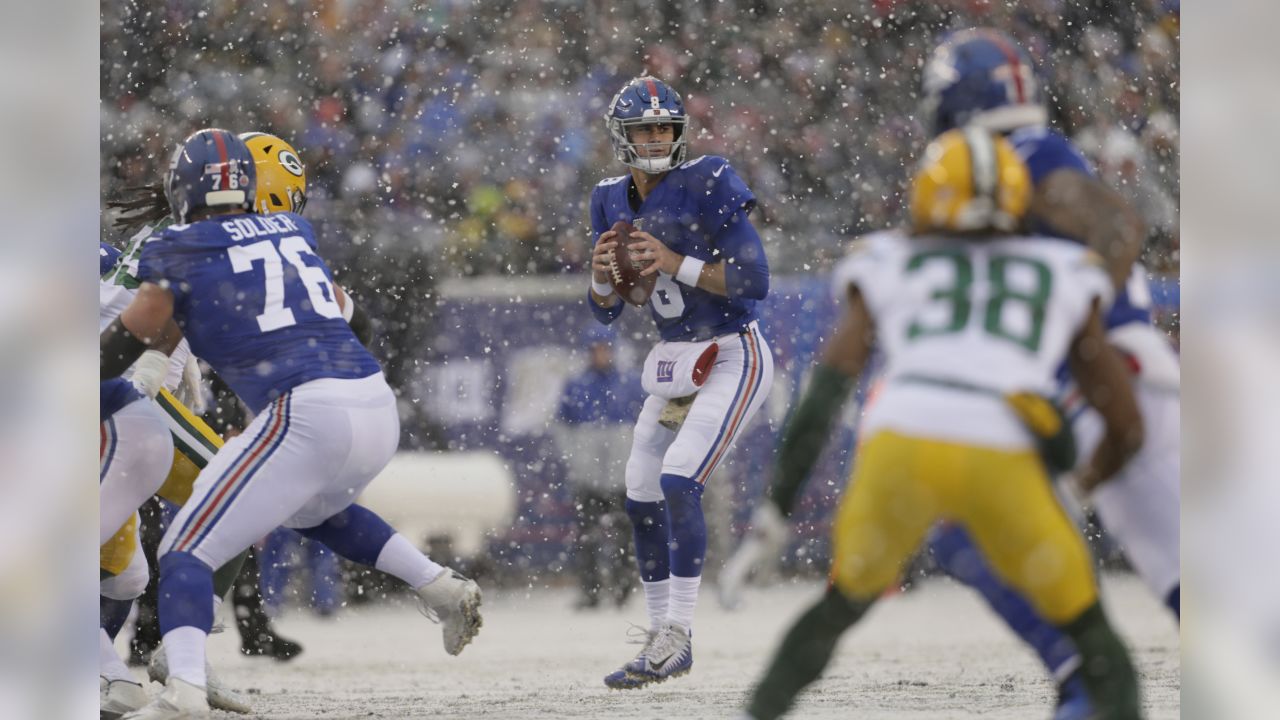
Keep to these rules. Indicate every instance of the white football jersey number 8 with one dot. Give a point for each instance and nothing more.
(319, 290)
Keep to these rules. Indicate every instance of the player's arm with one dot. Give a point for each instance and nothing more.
(1076, 205)
(833, 380)
(743, 274)
(1104, 381)
(145, 326)
(355, 316)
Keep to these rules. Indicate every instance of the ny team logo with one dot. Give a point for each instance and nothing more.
(666, 370)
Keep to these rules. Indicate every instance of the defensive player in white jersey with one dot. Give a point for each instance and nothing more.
(974, 321)
(711, 271)
(326, 421)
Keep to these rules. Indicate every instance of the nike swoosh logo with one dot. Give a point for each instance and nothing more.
(717, 171)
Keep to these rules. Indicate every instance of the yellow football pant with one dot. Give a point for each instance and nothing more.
(194, 444)
(902, 485)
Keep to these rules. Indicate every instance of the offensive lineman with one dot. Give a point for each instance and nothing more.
(711, 271)
(326, 421)
(973, 321)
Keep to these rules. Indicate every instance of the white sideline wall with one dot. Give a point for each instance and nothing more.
(463, 494)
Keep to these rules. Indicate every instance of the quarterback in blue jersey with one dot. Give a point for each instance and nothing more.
(255, 301)
(712, 369)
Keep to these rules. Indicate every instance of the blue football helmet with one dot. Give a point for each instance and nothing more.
(981, 77)
(647, 100)
(212, 168)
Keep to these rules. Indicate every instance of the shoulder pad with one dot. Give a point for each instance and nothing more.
(690, 163)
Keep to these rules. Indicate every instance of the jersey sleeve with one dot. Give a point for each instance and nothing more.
(868, 267)
(107, 257)
(159, 263)
(723, 195)
(1045, 151)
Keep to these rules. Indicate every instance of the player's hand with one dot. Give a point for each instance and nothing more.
(600, 255)
(149, 372)
(647, 248)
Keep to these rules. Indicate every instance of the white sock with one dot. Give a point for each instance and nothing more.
(655, 600)
(400, 558)
(184, 646)
(110, 666)
(684, 598)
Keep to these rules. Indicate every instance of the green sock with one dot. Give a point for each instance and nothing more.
(1108, 672)
(224, 578)
(804, 653)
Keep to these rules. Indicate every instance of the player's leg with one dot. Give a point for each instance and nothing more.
(894, 496)
(121, 692)
(251, 486)
(365, 412)
(647, 510)
(134, 455)
(725, 405)
(1140, 507)
(957, 554)
(1015, 519)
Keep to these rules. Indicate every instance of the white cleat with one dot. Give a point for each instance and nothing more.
(453, 601)
(221, 697)
(180, 701)
(119, 697)
(763, 543)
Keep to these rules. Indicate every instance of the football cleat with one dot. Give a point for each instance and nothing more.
(119, 697)
(453, 601)
(630, 676)
(1073, 700)
(180, 700)
(668, 655)
(221, 697)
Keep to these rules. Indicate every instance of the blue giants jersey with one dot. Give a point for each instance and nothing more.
(107, 257)
(1045, 150)
(114, 394)
(686, 211)
(256, 303)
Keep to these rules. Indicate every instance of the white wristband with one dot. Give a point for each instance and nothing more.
(601, 289)
(690, 270)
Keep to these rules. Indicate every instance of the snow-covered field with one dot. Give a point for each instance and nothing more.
(933, 653)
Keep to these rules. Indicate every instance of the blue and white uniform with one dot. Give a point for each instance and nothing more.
(257, 303)
(699, 209)
(1140, 507)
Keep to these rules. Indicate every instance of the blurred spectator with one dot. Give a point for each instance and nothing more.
(597, 409)
(485, 118)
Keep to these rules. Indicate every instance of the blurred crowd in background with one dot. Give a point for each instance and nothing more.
(472, 133)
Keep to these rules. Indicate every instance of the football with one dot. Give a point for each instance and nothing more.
(624, 269)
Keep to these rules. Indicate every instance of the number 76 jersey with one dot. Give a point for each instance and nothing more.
(256, 302)
(963, 321)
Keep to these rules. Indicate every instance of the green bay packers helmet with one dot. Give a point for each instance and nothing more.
(282, 179)
(970, 181)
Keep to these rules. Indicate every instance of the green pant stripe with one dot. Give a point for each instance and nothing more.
(193, 443)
